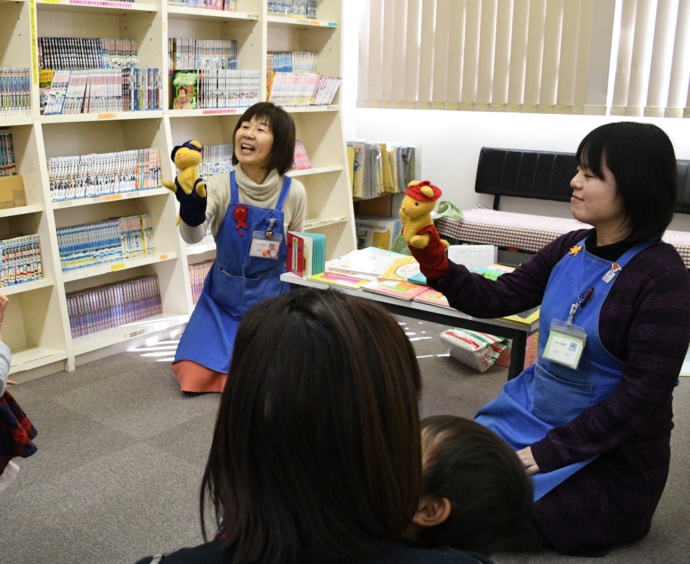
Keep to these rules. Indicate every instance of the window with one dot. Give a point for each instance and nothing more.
(622, 57)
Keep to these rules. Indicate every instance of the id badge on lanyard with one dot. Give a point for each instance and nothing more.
(566, 340)
(266, 245)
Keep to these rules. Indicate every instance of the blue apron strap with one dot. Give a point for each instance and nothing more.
(234, 190)
(283, 193)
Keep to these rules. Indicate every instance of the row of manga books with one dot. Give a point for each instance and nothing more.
(100, 90)
(307, 89)
(93, 175)
(191, 53)
(208, 89)
(15, 92)
(106, 307)
(111, 240)
(197, 275)
(291, 61)
(82, 53)
(7, 165)
(303, 9)
(216, 159)
(20, 260)
(227, 5)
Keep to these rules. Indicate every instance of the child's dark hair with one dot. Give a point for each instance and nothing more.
(484, 480)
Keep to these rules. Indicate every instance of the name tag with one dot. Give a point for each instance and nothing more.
(565, 344)
(263, 247)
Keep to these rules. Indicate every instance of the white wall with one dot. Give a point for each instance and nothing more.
(451, 140)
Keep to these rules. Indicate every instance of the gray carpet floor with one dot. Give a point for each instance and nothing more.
(121, 452)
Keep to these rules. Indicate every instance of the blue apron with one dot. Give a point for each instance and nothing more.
(236, 281)
(549, 394)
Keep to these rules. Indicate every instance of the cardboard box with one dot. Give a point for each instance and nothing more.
(12, 193)
(375, 231)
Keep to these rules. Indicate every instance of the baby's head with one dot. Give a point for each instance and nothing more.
(476, 494)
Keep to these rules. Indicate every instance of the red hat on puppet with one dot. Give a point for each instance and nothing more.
(416, 189)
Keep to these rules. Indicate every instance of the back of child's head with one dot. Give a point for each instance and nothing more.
(484, 480)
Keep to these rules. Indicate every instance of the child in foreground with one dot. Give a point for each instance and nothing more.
(476, 494)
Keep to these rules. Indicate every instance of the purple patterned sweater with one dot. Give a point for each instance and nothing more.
(645, 322)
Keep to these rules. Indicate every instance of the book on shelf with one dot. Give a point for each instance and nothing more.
(58, 91)
(338, 279)
(183, 94)
(369, 262)
(20, 259)
(396, 288)
(302, 9)
(306, 253)
(374, 231)
(93, 175)
(112, 305)
(301, 159)
(197, 277)
(15, 91)
(7, 165)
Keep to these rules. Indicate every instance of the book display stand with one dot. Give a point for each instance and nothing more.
(41, 319)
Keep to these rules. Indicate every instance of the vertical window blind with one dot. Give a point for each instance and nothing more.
(620, 57)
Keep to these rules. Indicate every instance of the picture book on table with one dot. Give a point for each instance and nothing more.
(397, 288)
(338, 279)
(402, 268)
(432, 297)
(369, 262)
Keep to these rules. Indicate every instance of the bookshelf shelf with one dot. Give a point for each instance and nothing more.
(312, 224)
(105, 116)
(110, 198)
(312, 109)
(44, 282)
(97, 6)
(39, 311)
(35, 357)
(103, 339)
(301, 23)
(317, 170)
(23, 210)
(109, 268)
(202, 14)
(204, 246)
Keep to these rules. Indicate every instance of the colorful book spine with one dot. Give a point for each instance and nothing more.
(20, 260)
(197, 277)
(112, 240)
(7, 164)
(15, 92)
(301, 160)
(93, 175)
(113, 305)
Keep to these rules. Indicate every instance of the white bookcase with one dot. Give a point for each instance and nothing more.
(37, 327)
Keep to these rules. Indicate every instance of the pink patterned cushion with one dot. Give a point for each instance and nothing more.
(527, 232)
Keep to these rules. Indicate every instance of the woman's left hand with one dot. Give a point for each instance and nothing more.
(528, 462)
